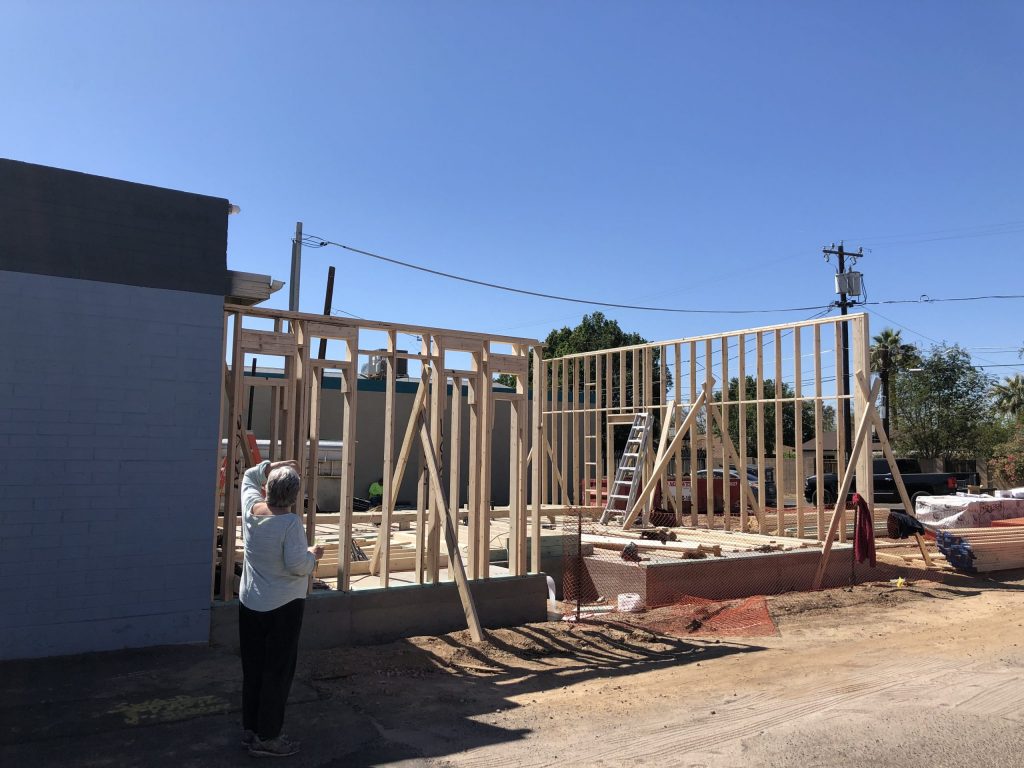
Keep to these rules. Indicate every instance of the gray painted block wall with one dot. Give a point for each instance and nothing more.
(109, 403)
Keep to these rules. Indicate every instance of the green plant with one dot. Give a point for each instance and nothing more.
(1007, 463)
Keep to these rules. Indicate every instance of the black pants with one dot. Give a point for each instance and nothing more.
(269, 642)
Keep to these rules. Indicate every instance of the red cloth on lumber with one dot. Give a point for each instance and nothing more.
(863, 531)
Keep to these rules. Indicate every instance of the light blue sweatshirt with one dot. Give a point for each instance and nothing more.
(277, 562)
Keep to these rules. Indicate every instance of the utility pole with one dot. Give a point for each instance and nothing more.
(844, 304)
(293, 282)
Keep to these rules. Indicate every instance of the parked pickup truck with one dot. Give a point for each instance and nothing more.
(918, 483)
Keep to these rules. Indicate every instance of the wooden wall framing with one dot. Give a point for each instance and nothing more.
(430, 440)
(586, 396)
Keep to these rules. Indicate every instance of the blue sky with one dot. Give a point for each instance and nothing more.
(694, 155)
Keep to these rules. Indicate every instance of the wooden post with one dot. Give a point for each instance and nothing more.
(726, 474)
(780, 462)
(838, 513)
(540, 459)
(860, 340)
(693, 436)
(455, 457)
(486, 397)
(382, 548)
(883, 439)
(709, 446)
(232, 481)
(473, 503)
(841, 457)
(349, 391)
(763, 523)
(451, 539)
(798, 433)
(438, 398)
(741, 391)
(819, 449)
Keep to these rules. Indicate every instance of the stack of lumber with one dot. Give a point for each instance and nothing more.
(682, 549)
(403, 557)
(694, 542)
(979, 550)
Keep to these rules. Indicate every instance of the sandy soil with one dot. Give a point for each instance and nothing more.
(927, 674)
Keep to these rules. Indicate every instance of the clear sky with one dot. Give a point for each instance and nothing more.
(680, 154)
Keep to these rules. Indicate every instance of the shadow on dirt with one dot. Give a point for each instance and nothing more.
(409, 700)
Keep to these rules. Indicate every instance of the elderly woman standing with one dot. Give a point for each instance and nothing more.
(275, 576)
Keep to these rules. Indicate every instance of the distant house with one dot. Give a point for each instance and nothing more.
(830, 460)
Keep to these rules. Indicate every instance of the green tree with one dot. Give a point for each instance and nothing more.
(890, 354)
(768, 426)
(945, 408)
(1009, 396)
(595, 333)
(1006, 465)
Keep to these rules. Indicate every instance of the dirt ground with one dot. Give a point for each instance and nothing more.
(925, 674)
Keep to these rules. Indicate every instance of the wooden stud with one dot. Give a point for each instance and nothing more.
(485, 395)
(780, 462)
(677, 497)
(841, 456)
(451, 539)
(848, 473)
(724, 419)
(741, 468)
(798, 434)
(819, 449)
(232, 480)
(537, 481)
(693, 436)
(438, 402)
(350, 390)
(709, 453)
(779, 491)
(473, 504)
(455, 454)
(383, 545)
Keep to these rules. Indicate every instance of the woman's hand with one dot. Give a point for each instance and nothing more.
(278, 464)
(317, 551)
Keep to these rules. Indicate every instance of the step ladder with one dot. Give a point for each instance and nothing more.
(623, 491)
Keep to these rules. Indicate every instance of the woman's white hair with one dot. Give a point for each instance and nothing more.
(282, 487)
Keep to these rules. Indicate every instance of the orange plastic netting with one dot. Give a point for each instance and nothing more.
(695, 617)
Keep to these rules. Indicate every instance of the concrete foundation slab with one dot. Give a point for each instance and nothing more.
(661, 583)
(370, 616)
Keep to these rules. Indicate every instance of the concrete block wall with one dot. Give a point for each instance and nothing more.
(110, 400)
(111, 315)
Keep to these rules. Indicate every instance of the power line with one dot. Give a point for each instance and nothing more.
(954, 233)
(315, 242)
(926, 299)
(310, 241)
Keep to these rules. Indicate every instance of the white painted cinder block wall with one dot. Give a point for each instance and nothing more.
(109, 400)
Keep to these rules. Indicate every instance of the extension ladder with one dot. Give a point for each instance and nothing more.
(623, 491)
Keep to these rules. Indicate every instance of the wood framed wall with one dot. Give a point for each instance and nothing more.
(588, 396)
(453, 365)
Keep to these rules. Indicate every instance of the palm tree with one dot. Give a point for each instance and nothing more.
(889, 354)
(1009, 396)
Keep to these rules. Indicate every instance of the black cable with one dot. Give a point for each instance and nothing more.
(320, 243)
(311, 241)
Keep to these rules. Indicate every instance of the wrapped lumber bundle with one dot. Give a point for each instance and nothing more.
(979, 550)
